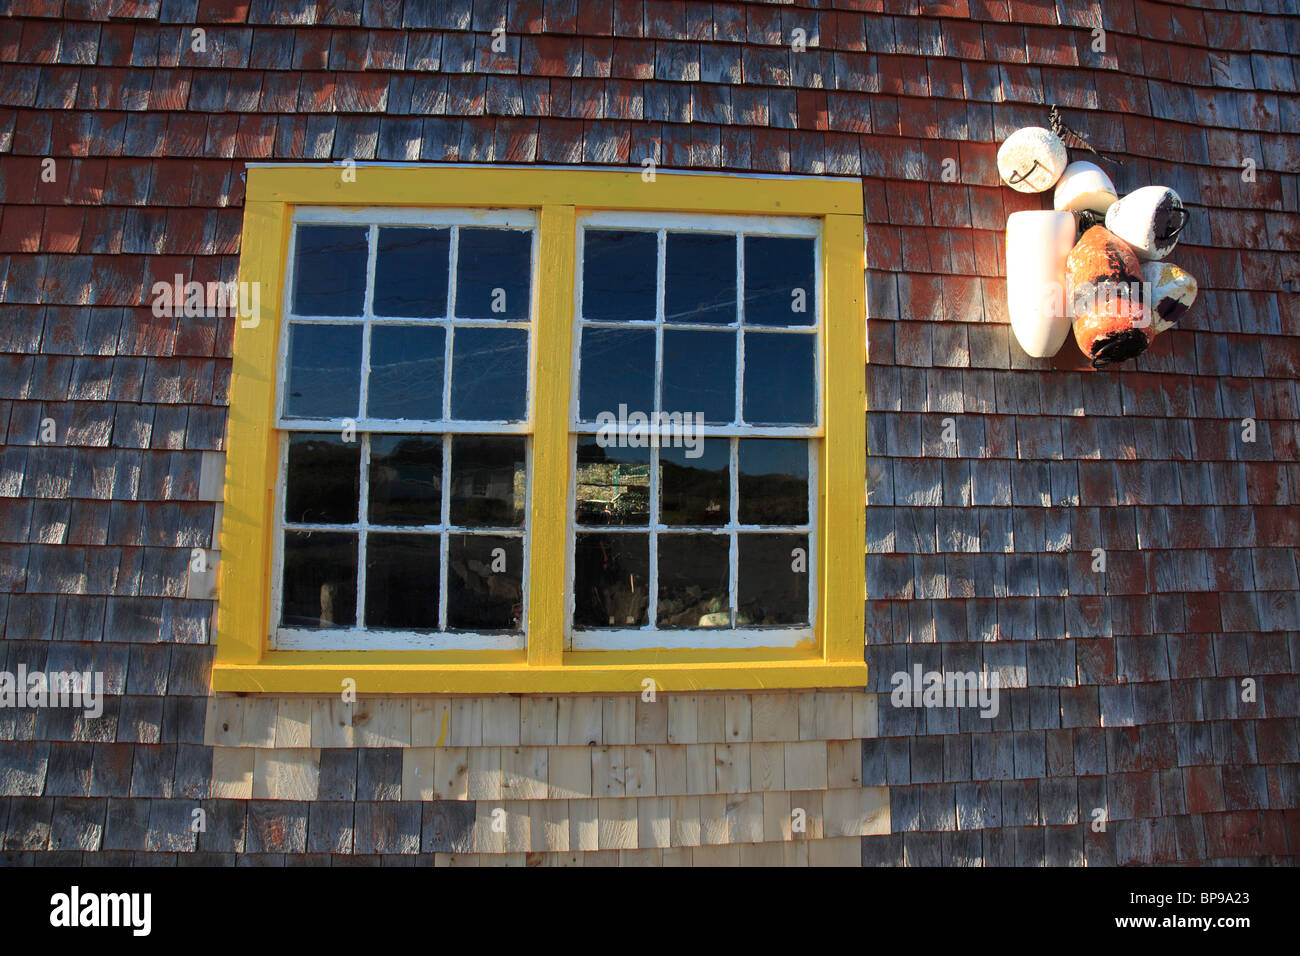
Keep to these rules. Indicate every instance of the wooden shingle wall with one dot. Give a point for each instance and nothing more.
(1126, 687)
(770, 777)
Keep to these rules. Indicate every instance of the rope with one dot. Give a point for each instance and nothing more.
(1079, 140)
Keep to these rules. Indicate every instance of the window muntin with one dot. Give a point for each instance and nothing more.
(404, 407)
(718, 317)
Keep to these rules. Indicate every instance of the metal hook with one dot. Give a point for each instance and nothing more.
(1016, 177)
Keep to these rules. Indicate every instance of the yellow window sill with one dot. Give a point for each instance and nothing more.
(507, 672)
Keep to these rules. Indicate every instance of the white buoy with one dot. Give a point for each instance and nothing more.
(1032, 159)
(1149, 220)
(1083, 187)
(1038, 242)
(1171, 290)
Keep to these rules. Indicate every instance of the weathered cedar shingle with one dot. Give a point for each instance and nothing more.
(987, 541)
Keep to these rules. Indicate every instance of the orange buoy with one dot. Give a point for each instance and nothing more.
(1105, 280)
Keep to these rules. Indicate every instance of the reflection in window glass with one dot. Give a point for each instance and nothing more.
(406, 365)
(489, 375)
(773, 586)
(611, 584)
(699, 374)
(411, 272)
(694, 571)
(780, 385)
(779, 281)
(618, 367)
(773, 481)
(700, 278)
(402, 581)
(405, 479)
(329, 270)
(488, 481)
(696, 491)
(320, 579)
(323, 479)
(613, 484)
(493, 272)
(618, 276)
(324, 375)
(485, 583)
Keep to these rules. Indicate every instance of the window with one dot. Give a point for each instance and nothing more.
(542, 430)
(403, 403)
(696, 431)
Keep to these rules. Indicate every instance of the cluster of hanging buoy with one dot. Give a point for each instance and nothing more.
(1094, 261)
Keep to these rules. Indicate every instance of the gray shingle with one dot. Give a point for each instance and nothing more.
(149, 666)
(154, 770)
(387, 827)
(193, 773)
(171, 826)
(277, 826)
(183, 720)
(23, 766)
(28, 826)
(68, 772)
(77, 824)
(338, 775)
(330, 826)
(140, 721)
(882, 850)
(447, 827)
(126, 824)
(225, 822)
(979, 805)
(379, 773)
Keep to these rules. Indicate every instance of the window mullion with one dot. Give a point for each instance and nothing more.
(555, 272)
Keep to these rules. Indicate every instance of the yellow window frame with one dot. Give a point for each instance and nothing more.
(244, 661)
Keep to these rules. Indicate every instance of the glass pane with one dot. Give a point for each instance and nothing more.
(613, 484)
(694, 571)
(700, 278)
(411, 267)
(618, 368)
(324, 375)
(485, 576)
(405, 479)
(695, 484)
(406, 366)
(772, 588)
(489, 373)
(402, 581)
(779, 379)
(329, 270)
(773, 481)
(320, 579)
(779, 285)
(618, 275)
(323, 480)
(700, 374)
(493, 268)
(611, 582)
(488, 481)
